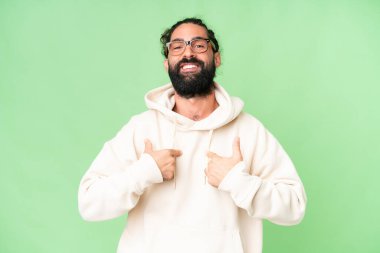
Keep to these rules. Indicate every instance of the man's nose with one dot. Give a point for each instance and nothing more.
(188, 53)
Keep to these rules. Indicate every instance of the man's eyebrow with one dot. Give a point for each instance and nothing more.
(199, 37)
(194, 38)
(177, 39)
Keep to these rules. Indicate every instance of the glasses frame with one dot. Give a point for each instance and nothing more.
(188, 43)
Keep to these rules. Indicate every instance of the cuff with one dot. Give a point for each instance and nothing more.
(141, 175)
(240, 184)
(148, 170)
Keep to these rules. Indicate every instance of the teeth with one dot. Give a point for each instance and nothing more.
(189, 66)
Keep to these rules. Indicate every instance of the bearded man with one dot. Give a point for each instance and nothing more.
(194, 173)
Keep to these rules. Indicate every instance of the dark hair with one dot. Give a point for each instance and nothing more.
(165, 37)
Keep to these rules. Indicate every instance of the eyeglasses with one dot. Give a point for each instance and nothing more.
(198, 46)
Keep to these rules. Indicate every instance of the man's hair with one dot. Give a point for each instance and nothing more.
(165, 37)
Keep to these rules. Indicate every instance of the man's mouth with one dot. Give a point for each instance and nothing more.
(189, 67)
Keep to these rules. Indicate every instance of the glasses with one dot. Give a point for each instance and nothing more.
(198, 46)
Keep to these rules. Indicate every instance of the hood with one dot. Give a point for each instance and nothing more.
(161, 99)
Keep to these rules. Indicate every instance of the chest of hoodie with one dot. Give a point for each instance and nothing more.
(189, 200)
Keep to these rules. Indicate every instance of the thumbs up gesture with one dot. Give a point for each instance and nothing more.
(219, 166)
(165, 159)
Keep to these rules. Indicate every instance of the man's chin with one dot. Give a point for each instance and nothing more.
(188, 74)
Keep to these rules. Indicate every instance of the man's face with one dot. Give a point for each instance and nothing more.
(192, 73)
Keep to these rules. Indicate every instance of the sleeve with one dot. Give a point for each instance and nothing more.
(116, 179)
(273, 190)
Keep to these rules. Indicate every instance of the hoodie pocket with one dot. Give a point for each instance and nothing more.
(175, 238)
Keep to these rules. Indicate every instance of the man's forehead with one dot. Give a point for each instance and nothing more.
(188, 31)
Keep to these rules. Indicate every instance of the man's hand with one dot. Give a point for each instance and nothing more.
(164, 158)
(219, 166)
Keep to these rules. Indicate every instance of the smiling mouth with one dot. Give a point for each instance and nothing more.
(189, 68)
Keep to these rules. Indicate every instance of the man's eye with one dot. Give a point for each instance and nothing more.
(176, 46)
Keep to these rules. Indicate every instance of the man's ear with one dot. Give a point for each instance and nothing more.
(217, 59)
(166, 65)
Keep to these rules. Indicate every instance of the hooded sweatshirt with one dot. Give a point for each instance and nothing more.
(187, 214)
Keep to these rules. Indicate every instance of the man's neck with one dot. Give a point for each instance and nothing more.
(195, 108)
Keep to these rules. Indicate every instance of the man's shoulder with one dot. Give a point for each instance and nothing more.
(248, 119)
(145, 115)
(139, 119)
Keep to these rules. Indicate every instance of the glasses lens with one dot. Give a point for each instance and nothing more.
(199, 45)
(177, 47)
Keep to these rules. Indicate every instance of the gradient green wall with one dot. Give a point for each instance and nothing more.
(72, 72)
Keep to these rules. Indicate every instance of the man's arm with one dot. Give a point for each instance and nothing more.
(116, 179)
(273, 191)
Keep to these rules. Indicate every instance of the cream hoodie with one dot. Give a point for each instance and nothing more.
(187, 214)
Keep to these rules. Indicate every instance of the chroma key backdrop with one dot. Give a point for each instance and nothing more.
(73, 72)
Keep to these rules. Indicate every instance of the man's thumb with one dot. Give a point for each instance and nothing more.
(236, 149)
(148, 146)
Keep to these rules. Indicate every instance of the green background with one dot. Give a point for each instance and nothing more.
(72, 72)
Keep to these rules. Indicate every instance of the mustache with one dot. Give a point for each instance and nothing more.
(190, 60)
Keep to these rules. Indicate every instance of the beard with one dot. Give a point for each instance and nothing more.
(193, 85)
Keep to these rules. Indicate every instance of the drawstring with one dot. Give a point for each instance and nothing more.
(173, 146)
(208, 149)
(209, 138)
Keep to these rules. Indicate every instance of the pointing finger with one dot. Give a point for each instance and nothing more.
(175, 152)
(148, 146)
(236, 148)
(211, 155)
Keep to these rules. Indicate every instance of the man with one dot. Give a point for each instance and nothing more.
(194, 172)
